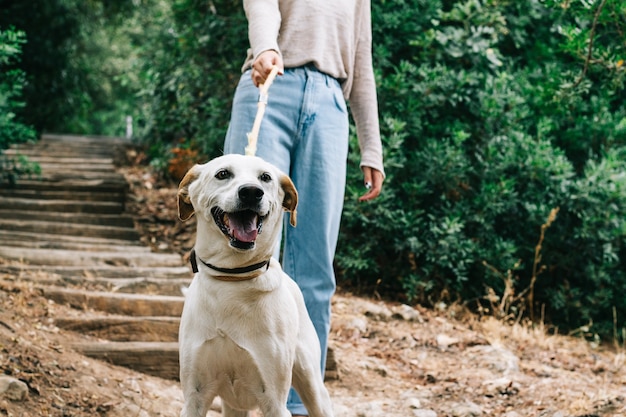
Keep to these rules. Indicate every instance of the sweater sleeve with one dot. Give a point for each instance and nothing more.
(363, 99)
(263, 25)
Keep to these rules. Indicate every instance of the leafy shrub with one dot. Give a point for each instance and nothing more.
(78, 62)
(192, 67)
(491, 121)
(11, 129)
(586, 275)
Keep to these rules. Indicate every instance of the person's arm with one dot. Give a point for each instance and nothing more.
(364, 107)
(264, 20)
(263, 25)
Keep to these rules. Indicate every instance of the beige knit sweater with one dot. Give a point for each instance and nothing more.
(336, 37)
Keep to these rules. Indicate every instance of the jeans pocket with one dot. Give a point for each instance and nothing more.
(340, 102)
(245, 88)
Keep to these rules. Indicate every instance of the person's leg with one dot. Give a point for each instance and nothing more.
(318, 171)
(304, 132)
(279, 126)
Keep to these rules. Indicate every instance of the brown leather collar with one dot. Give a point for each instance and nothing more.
(231, 272)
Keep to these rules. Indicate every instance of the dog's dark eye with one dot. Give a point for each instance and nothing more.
(223, 174)
(265, 177)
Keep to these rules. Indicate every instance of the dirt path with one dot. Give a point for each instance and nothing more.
(91, 270)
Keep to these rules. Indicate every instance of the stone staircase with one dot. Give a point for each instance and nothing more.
(69, 233)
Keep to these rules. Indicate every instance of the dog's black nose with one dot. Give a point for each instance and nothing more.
(250, 194)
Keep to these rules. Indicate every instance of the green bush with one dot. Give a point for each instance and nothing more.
(586, 278)
(492, 117)
(192, 66)
(12, 130)
(78, 63)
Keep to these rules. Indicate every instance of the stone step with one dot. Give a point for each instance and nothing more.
(95, 195)
(36, 240)
(138, 285)
(136, 305)
(153, 358)
(73, 141)
(174, 287)
(73, 229)
(123, 328)
(69, 174)
(114, 220)
(35, 155)
(101, 207)
(84, 166)
(116, 185)
(74, 272)
(84, 139)
(76, 144)
(164, 286)
(78, 258)
(59, 150)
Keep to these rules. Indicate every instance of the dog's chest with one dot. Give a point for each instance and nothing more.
(234, 336)
(234, 371)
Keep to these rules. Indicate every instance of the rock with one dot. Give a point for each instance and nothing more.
(551, 413)
(357, 325)
(494, 357)
(407, 313)
(413, 403)
(466, 410)
(424, 413)
(13, 389)
(130, 410)
(350, 326)
(332, 365)
(375, 365)
(445, 341)
(377, 312)
(373, 409)
(341, 410)
(500, 386)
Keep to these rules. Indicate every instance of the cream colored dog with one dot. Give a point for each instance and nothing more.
(245, 334)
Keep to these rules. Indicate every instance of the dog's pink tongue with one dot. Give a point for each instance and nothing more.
(246, 231)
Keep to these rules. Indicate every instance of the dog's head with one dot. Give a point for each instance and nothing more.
(240, 198)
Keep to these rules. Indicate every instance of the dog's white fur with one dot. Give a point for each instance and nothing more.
(246, 341)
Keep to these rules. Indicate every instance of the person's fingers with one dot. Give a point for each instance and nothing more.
(373, 180)
(263, 65)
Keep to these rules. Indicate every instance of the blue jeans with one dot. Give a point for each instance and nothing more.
(304, 132)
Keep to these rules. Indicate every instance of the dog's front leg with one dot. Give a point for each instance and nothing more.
(196, 406)
(278, 410)
(267, 411)
(309, 384)
(307, 376)
(231, 412)
(198, 394)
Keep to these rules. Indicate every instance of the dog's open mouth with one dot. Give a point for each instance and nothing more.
(242, 227)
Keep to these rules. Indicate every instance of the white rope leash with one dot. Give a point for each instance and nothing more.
(254, 134)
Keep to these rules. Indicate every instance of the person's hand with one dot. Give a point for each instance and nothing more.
(262, 67)
(375, 179)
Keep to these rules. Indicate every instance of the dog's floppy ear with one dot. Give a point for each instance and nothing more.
(290, 201)
(185, 208)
